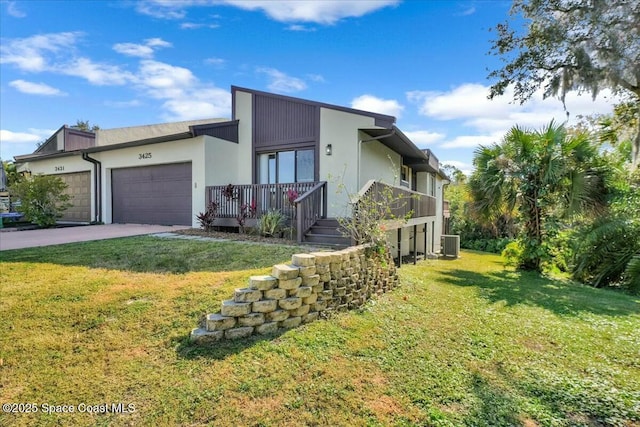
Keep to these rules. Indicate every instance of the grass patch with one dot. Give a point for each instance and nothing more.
(157, 255)
(462, 342)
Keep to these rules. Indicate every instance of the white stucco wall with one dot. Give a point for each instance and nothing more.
(244, 162)
(136, 133)
(440, 183)
(187, 150)
(221, 160)
(422, 182)
(379, 162)
(340, 129)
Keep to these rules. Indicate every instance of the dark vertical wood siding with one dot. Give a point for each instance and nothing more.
(280, 122)
(51, 146)
(227, 131)
(78, 140)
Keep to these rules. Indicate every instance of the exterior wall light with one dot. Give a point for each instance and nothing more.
(328, 150)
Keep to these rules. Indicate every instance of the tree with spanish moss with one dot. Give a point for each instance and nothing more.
(566, 45)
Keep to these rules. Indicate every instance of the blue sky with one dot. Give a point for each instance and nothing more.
(126, 63)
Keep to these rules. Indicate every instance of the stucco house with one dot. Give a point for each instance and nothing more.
(303, 157)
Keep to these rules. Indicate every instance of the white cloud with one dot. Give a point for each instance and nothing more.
(133, 49)
(13, 143)
(466, 168)
(469, 11)
(315, 78)
(302, 28)
(96, 73)
(472, 141)
(164, 80)
(378, 105)
(178, 90)
(195, 26)
(145, 50)
(33, 53)
(184, 96)
(469, 102)
(12, 10)
(325, 12)
(423, 138)
(32, 88)
(56, 52)
(123, 104)
(6, 136)
(162, 9)
(281, 82)
(157, 42)
(216, 62)
(484, 121)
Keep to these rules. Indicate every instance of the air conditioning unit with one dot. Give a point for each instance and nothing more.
(450, 246)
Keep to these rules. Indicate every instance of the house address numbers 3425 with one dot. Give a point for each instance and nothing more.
(143, 156)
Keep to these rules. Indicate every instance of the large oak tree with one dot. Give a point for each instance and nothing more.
(566, 45)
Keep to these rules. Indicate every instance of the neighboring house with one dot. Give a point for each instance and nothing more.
(302, 157)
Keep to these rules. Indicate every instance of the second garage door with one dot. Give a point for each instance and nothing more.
(79, 188)
(158, 194)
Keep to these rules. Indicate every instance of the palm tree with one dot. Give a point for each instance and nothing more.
(542, 175)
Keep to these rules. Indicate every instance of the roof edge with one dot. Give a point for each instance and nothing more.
(371, 114)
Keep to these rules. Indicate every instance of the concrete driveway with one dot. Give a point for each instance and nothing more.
(56, 236)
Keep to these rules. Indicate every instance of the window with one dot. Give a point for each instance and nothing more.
(404, 176)
(286, 166)
(432, 185)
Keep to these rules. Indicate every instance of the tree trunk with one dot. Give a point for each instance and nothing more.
(533, 233)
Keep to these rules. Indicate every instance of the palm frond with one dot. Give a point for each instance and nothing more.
(632, 273)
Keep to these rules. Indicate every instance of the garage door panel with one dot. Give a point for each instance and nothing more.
(79, 188)
(159, 194)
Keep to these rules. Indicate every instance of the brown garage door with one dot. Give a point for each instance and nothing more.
(79, 188)
(158, 194)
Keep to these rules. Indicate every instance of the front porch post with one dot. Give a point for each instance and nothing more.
(425, 240)
(415, 244)
(399, 247)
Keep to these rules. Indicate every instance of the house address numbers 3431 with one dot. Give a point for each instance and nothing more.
(142, 156)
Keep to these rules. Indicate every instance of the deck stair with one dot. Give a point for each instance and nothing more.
(327, 232)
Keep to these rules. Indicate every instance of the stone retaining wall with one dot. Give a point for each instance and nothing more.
(313, 284)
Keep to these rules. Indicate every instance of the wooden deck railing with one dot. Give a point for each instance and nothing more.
(310, 207)
(403, 203)
(256, 199)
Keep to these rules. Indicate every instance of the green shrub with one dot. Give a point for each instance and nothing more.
(512, 253)
(632, 274)
(495, 246)
(271, 223)
(604, 251)
(42, 199)
(561, 251)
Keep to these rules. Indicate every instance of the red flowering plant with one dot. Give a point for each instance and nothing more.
(292, 195)
(246, 210)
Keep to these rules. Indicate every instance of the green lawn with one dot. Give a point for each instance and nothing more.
(463, 342)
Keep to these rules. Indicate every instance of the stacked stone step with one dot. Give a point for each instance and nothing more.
(297, 293)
